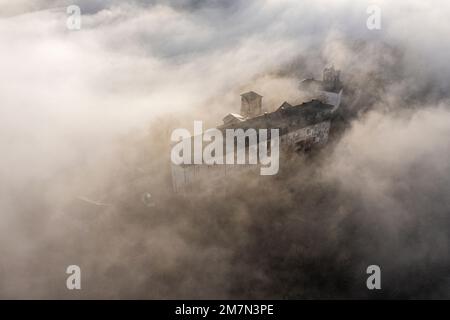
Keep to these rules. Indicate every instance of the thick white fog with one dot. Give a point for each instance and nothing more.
(77, 109)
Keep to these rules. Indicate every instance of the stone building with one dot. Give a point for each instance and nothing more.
(301, 128)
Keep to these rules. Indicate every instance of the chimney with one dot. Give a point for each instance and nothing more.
(251, 104)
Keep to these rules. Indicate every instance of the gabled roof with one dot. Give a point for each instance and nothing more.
(285, 105)
(232, 118)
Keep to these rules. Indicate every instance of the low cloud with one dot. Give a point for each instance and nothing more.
(89, 113)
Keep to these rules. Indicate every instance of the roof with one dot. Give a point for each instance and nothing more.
(251, 95)
(233, 117)
(285, 105)
(236, 115)
(287, 117)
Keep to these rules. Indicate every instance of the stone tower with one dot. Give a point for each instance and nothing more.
(251, 104)
(331, 79)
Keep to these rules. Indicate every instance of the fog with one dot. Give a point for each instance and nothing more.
(85, 123)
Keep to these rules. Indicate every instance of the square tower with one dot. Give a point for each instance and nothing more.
(251, 104)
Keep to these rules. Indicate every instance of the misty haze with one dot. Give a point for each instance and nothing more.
(87, 114)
